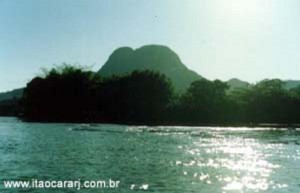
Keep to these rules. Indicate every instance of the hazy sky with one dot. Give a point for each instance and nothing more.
(247, 39)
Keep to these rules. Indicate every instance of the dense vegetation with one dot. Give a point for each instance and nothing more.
(9, 107)
(74, 95)
(9, 102)
(69, 94)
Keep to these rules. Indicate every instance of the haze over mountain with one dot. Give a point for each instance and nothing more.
(151, 57)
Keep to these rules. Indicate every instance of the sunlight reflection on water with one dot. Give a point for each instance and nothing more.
(245, 159)
(239, 163)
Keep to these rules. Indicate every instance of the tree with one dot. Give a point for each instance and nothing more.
(70, 94)
(140, 97)
(204, 102)
(61, 95)
(268, 102)
(294, 105)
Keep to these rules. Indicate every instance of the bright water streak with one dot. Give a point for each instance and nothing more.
(151, 159)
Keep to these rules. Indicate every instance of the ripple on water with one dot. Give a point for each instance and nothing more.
(154, 159)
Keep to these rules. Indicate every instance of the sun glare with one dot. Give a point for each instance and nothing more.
(239, 9)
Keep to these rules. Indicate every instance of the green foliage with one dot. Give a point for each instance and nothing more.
(203, 101)
(73, 94)
(294, 105)
(295, 92)
(268, 102)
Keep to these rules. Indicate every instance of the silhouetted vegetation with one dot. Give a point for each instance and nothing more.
(9, 102)
(69, 94)
(140, 97)
(64, 94)
(204, 102)
(9, 107)
(267, 102)
(73, 95)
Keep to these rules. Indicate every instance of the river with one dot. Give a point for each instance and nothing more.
(150, 159)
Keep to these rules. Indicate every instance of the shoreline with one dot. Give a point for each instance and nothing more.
(250, 125)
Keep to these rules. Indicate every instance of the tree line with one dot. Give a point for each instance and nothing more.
(70, 94)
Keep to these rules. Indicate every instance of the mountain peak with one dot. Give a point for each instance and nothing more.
(121, 51)
(156, 58)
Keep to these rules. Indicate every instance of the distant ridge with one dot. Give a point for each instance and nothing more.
(289, 84)
(235, 83)
(16, 93)
(151, 57)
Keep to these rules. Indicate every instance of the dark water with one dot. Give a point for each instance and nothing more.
(151, 159)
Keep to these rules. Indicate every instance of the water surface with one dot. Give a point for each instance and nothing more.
(151, 159)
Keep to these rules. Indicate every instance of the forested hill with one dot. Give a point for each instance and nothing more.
(9, 102)
(152, 57)
(16, 93)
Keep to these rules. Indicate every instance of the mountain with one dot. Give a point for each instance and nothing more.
(288, 84)
(9, 102)
(235, 83)
(152, 57)
(156, 58)
(16, 93)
